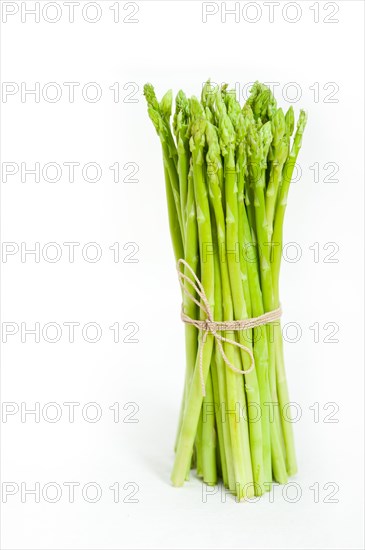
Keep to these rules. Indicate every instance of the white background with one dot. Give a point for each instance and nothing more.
(171, 47)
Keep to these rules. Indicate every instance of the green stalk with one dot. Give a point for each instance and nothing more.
(192, 258)
(160, 114)
(173, 207)
(194, 404)
(174, 226)
(282, 387)
(209, 435)
(222, 461)
(172, 187)
(174, 181)
(238, 428)
(183, 171)
(223, 306)
(182, 139)
(227, 137)
(259, 145)
(190, 308)
(261, 353)
(283, 199)
(218, 368)
(198, 446)
(278, 154)
(250, 268)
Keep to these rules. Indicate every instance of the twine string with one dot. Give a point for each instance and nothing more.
(208, 325)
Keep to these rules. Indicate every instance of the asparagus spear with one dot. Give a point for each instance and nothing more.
(283, 197)
(252, 282)
(192, 411)
(259, 143)
(220, 387)
(238, 427)
(278, 154)
(227, 142)
(190, 308)
(282, 387)
(159, 114)
(181, 119)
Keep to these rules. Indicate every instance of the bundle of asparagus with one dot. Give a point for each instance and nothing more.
(227, 175)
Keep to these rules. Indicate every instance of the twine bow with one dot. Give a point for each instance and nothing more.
(214, 327)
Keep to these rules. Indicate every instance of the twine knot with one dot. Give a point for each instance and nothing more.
(209, 326)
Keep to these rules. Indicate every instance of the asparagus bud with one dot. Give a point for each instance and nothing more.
(289, 122)
(166, 106)
(149, 93)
